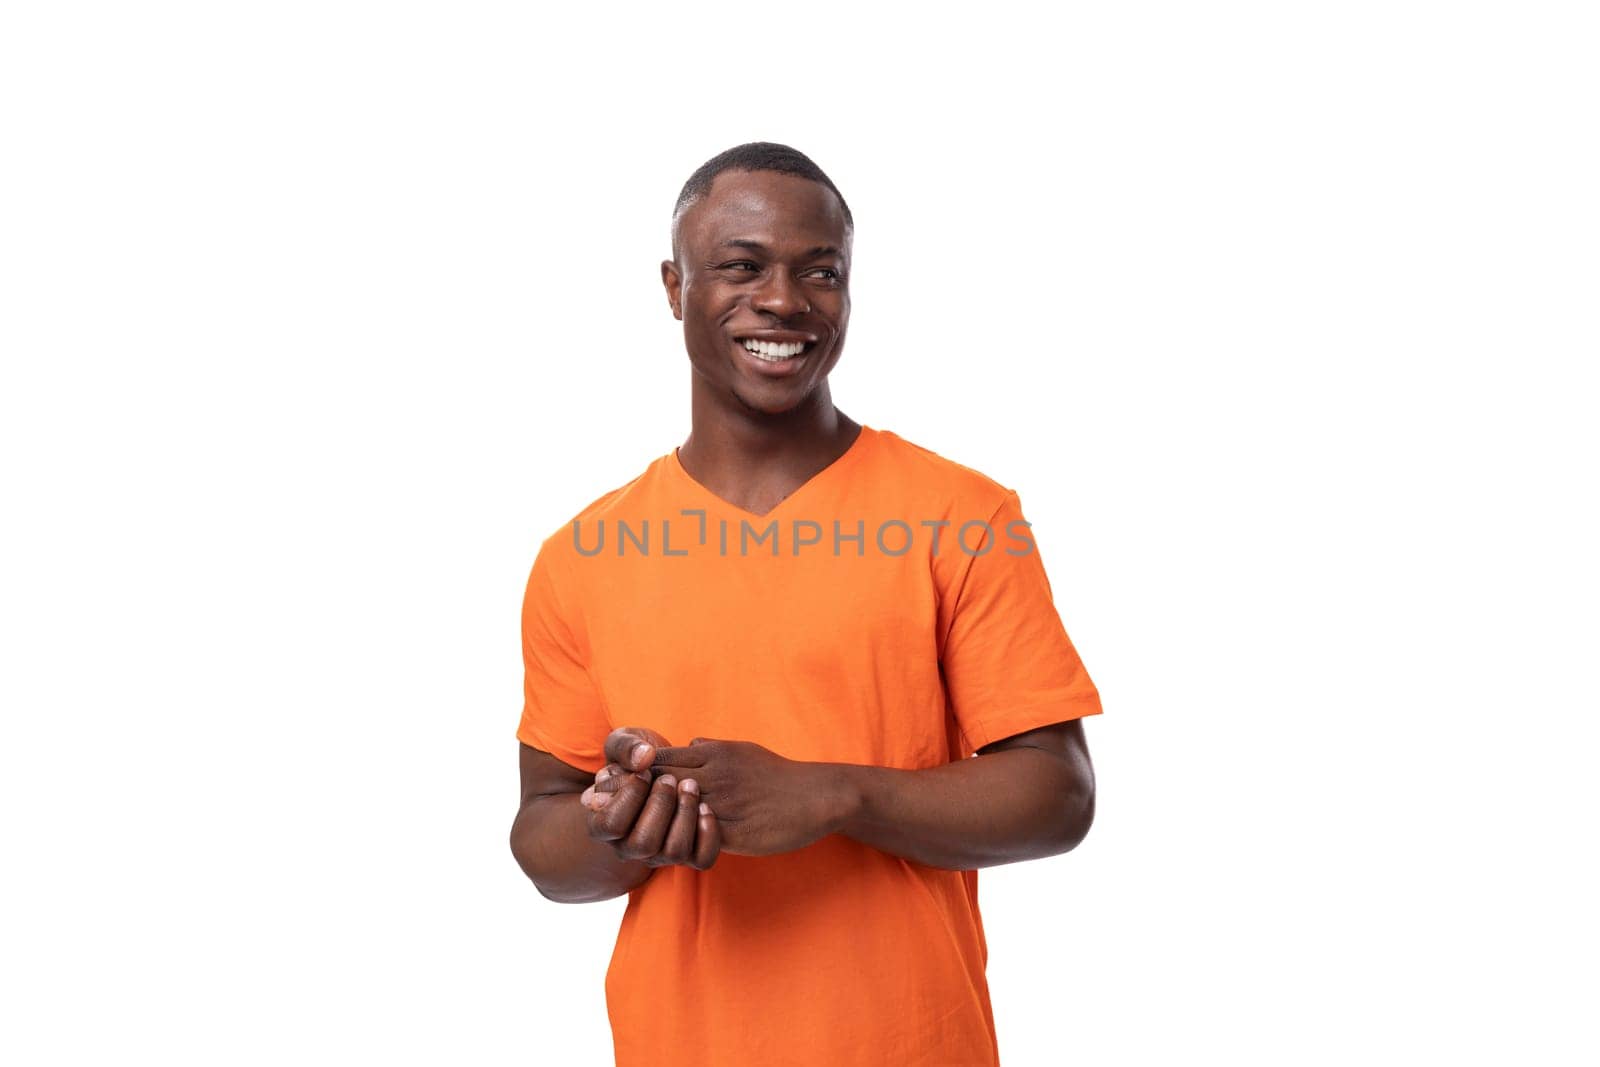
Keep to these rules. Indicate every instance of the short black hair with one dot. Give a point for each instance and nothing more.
(756, 156)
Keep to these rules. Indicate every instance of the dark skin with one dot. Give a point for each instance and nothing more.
(766, 256)
(576, 854)
(1025, 797)
(763, 256)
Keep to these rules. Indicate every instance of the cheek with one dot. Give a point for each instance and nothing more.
(708, 301)
(705, 324)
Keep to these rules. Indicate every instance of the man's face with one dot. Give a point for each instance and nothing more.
(762, 262)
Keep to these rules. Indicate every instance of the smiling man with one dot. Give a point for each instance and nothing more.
(793, 685)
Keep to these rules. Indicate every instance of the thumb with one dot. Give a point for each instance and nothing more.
(623, 747)
(641, 753)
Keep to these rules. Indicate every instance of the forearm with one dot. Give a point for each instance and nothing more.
(999, 807)
(550, 839)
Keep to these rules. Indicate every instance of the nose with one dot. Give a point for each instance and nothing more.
(781, 294)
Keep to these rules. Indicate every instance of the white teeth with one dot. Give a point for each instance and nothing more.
(773, 352)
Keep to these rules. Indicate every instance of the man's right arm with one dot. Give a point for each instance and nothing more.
(579, 847)
(550, 837)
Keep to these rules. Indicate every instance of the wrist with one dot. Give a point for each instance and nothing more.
(841, 788)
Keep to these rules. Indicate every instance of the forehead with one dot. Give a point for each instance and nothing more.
(777, 210)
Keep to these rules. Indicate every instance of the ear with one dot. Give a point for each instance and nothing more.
(673, 282)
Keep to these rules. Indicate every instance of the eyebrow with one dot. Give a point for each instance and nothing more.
(757, 246)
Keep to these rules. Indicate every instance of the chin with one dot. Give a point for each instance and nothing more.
(771, 405)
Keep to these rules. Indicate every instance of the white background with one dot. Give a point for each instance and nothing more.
(1281, 319)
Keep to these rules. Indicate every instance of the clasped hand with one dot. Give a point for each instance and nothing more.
(666, 805)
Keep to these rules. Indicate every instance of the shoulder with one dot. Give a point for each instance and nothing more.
(939, 478)
(623, 502)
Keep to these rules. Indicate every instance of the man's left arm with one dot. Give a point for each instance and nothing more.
(1020, 798)
(1018, 693)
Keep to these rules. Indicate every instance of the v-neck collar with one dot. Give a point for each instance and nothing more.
(829, 472)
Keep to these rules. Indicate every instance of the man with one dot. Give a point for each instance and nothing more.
(755, 674)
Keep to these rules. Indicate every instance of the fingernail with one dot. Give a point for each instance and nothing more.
(588, 795)
(669, 780)
(639, 752)
(606, 772)
(691, 786)
(705, 809)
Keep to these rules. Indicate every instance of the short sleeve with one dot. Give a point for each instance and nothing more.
(562, 710)
(1008, 663)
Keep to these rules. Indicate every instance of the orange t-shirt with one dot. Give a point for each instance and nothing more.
(834, 628)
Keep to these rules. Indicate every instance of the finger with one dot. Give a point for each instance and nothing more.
(621, 744)
(600, 793)
(681, 756)
(614, 819)
(633, 746)
(708, 839)
(650, 828)
(679, 844)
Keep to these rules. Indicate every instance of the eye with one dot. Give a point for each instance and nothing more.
(827, 274)
(740, 265)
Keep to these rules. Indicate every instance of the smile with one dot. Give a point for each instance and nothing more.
(772, 351)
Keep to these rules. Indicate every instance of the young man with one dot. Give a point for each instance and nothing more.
(755, 674)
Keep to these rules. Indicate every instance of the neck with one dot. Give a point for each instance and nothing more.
(739, 451)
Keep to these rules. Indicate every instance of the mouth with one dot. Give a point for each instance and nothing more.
(776, 353)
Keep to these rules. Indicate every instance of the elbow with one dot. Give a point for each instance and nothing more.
(519, 849)
(554, 897)
(558, 880)
(590, 896)
(1077, 815)
(525, 860)
(522, 850)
